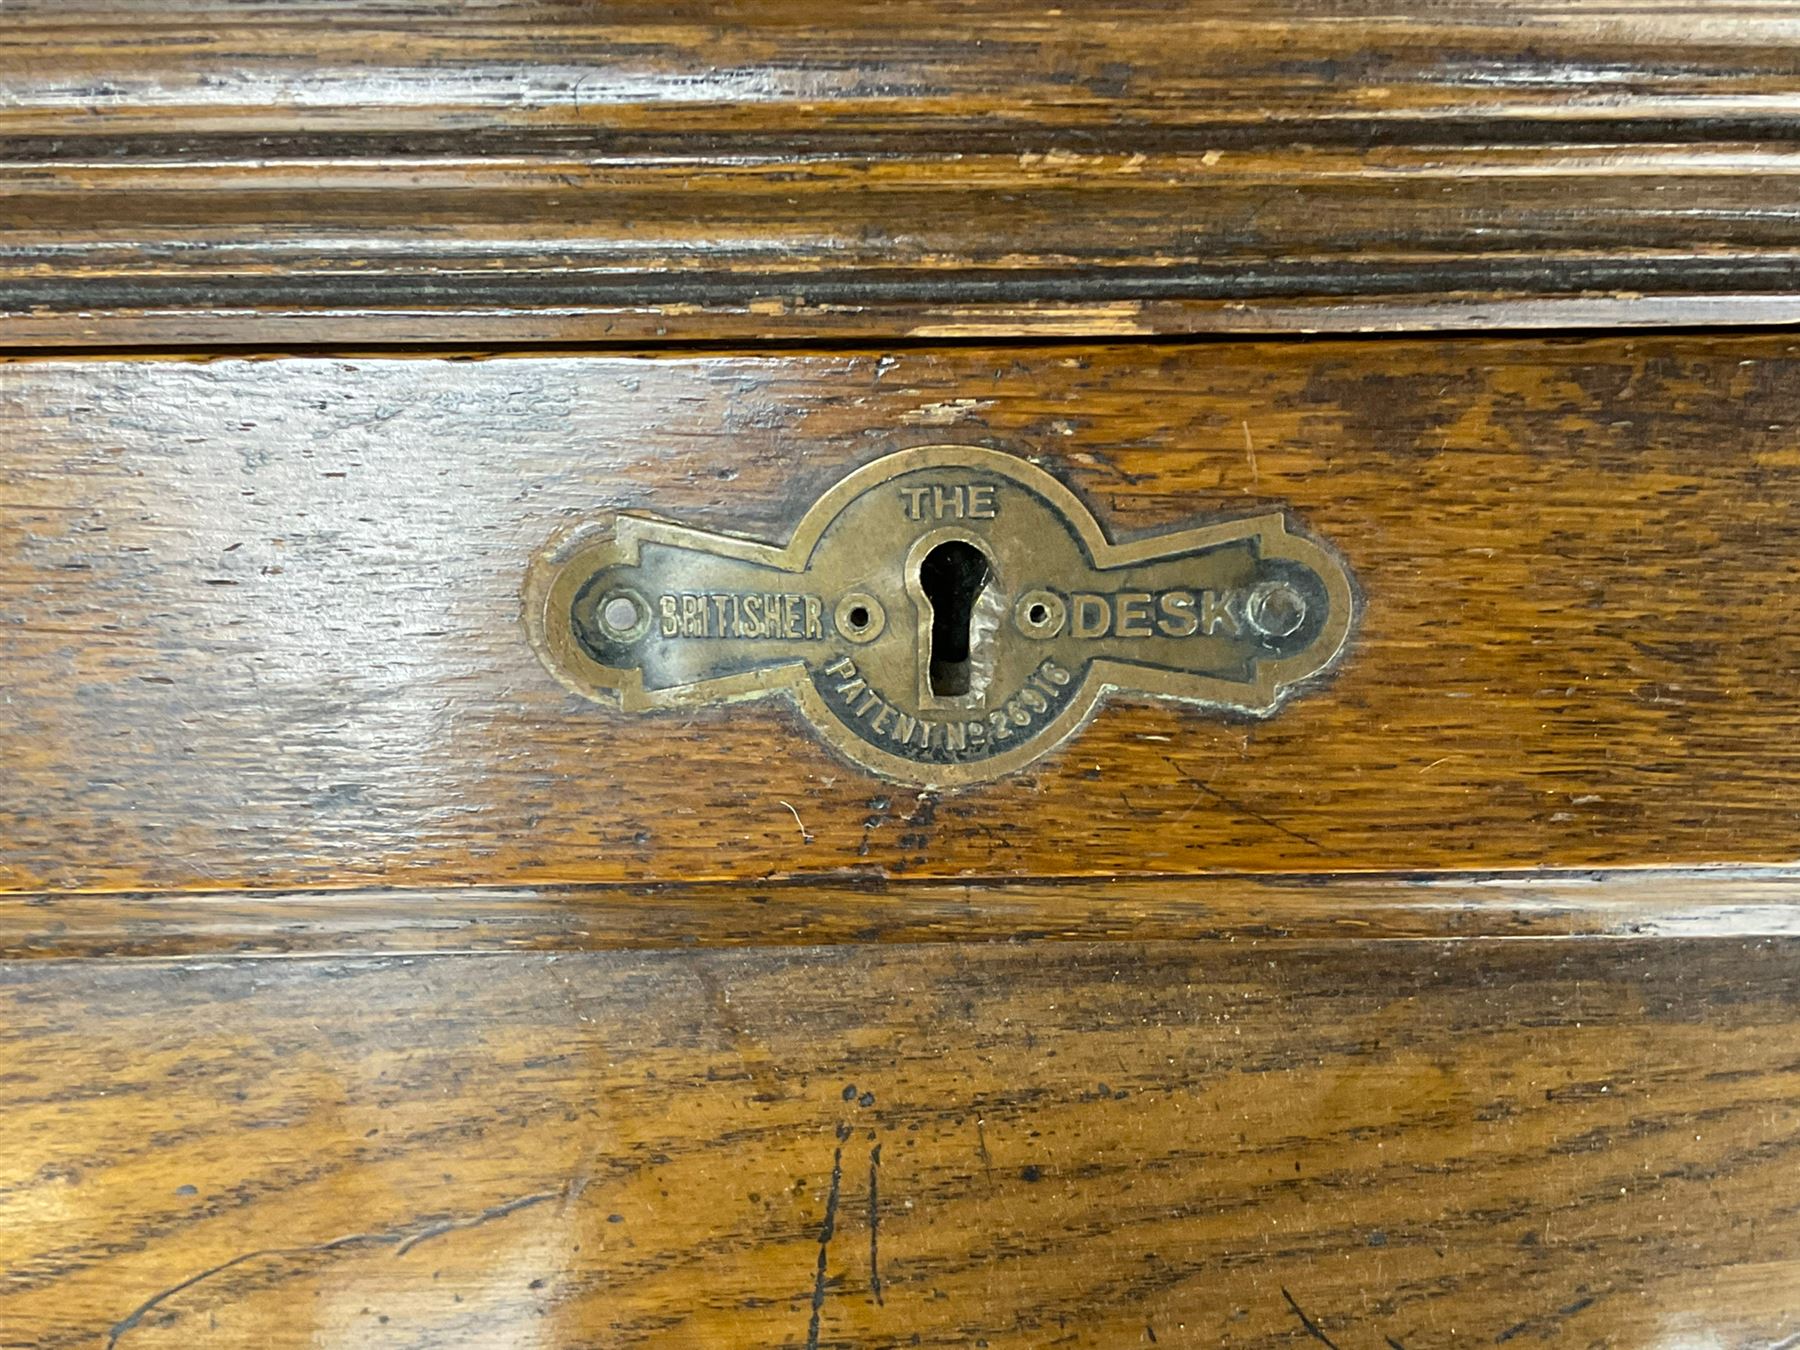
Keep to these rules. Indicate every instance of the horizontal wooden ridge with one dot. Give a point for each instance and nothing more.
(1738, 903)
(240, 171)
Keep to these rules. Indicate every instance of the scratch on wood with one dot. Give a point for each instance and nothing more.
(403, 1242)
(875, 1224)
(1241, 809)
(156, 1300)
(1312, 1328)
(495, 1212)
(1544, 1324)
(826, 1229)
(806, 836)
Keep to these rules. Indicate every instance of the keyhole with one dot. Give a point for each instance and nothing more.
(952, 575)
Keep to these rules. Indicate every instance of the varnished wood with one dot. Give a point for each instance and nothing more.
(359, 987)
(1381, 1144)
(1662, 904)
(541, 171)
(264, 620)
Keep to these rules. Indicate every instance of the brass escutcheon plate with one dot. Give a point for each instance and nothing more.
(942, 616)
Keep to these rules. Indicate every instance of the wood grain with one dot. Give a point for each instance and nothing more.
(1646, 904)
(263, 619)
(361, 988)
(1261, 1144)
(550, 171)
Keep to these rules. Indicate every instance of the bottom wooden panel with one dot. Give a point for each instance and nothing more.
(1373, 1144)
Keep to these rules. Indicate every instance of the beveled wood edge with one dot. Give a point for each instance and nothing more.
(797, 323)
(232, 171)
(1610, 904)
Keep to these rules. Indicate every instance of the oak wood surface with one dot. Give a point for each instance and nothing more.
(361, 988)
(263, 617)
(1252, 1144)
(551, 171)
(1663, 904)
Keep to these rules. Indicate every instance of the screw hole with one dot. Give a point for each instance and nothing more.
(859, 617)
(620, 614)
(1276, 609)
(1040, 614)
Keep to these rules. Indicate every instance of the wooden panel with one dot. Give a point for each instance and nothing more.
(543, 170)
(1414, 1145)
(263, 618)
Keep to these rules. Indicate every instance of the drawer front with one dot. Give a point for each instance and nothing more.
(250, 596)
(1421, 1144)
